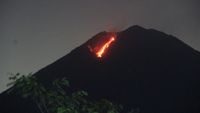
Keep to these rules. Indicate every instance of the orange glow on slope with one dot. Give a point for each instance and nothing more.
(102, 50)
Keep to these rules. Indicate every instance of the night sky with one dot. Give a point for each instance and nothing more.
(35, 33)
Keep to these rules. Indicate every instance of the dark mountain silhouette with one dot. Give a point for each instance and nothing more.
(143, 68)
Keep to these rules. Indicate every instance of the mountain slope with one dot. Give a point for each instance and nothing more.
(143, 68)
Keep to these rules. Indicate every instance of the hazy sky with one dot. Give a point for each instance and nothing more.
(34, 33)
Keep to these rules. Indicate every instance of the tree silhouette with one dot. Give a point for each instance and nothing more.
(56, 99)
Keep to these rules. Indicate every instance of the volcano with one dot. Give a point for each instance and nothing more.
(141, 68)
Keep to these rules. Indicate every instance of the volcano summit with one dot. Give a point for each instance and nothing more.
(141, 68)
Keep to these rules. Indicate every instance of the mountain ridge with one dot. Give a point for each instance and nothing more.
(143, 68)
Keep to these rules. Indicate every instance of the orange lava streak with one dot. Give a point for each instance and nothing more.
(101, 51)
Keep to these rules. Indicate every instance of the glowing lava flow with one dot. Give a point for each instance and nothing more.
(101, 51)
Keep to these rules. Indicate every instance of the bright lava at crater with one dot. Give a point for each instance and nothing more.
(104, 47)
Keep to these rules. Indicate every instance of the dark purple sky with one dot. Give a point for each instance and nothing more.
(34, 33)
